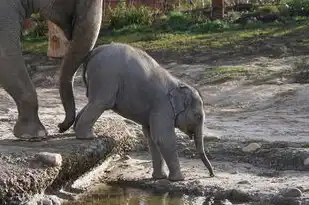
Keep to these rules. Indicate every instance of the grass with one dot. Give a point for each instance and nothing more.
(229, 39)
(36, 45)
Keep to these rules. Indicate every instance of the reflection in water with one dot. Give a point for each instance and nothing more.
(115, 195)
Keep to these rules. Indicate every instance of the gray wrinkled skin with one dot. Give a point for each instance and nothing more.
(80, 20)
(131, 83)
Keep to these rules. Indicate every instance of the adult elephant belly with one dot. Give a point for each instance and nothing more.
(13, 74)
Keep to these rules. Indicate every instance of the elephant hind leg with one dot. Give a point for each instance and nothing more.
(102, 96)
(87, 118)
(16, 82)
(157, 160)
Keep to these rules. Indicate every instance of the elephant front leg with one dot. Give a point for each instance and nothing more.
(157, 160)
(163, 134)
(16, 81)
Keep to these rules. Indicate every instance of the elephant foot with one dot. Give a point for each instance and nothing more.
(174, 177)
(85, 135)
(30, 131)
(157, 176)
(65, 125)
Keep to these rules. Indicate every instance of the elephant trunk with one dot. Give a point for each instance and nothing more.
(199, 143)
(85, 32)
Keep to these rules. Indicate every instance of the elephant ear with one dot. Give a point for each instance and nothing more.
(180, 98)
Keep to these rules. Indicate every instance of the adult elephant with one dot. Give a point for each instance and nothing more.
(80, 20)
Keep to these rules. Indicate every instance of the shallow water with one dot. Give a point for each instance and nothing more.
(115, 195)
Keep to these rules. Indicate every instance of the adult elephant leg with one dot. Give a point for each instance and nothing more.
(16, 81)
(163, 133)
(84, 35)
(157, 160)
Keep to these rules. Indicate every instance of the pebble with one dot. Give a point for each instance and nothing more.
(50, 159)
(234, 171)
(252, 147)
(291, 192)
(46, 202)
(211, 138)
(244, 182)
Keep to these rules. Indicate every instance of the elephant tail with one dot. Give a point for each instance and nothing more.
(84, 67)
(86, 60)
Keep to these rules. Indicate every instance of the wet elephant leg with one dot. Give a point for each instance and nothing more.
(16, 81)
(157, 160)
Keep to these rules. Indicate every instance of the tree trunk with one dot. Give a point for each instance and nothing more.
(57, 42)
(217, 9)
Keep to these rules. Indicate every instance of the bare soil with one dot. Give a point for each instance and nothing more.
(267, 105)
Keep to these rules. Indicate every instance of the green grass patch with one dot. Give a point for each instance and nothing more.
(36, 45)
(226, 37)
(306, 145)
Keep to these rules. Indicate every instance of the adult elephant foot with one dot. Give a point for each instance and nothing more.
(158, 176)
(176, 177)
(31, 131)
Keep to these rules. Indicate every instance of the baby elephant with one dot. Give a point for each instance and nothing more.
(131, 83)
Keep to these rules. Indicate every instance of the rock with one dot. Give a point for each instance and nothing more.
(301, 188)
(306, 162)
(252, 147)
(291, 192)
(46, 202)
(211, 138)
(226, 202)
(234, 171)
(244, 182)
(126, 157)
(55, 200)
(49, 159)
(280, 200)
(238, 196)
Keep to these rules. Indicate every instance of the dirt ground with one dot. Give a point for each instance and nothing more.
(268, 109)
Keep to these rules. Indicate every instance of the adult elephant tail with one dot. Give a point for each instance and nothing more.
(86, 27)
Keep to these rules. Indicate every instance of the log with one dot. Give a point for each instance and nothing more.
(57, 42)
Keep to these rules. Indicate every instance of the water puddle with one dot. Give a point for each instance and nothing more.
(116, 195)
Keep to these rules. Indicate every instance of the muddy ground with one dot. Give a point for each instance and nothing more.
(263, 101)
